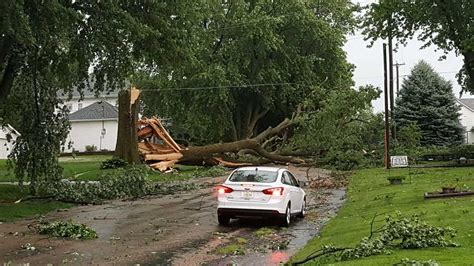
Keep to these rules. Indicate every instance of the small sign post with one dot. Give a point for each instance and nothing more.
(400, 162)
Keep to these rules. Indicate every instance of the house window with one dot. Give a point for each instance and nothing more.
(79, 106)
(69, 107)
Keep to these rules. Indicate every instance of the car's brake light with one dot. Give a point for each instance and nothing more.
(224, 189)
(275, 191)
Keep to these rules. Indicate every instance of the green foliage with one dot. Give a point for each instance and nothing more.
(427, 100)
(344, 130)
(399, 232)
(68, 229)
(295, 47)
(466, 151)
(43, 126)
(368, 193)
(409, 136)
(116, 184)
(340, 159)
(412, 233)
(91, 148)
(49, 48)
(446, 24)
(113, 163)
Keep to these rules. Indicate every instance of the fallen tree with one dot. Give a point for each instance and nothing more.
(161, 152)
(150, 139)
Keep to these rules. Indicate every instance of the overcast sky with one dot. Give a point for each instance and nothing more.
(369, 62)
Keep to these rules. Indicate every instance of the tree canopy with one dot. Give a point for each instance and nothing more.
(427, 101)
(447, 24)
(252, 64)
(48, 46)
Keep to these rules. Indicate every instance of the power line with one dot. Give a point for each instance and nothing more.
(225, 87)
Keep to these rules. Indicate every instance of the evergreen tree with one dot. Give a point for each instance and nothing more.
(427, 100)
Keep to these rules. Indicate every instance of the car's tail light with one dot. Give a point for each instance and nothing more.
(275, 191)
(224, 189)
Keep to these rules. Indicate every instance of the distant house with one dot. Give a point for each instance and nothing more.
(94, 125)
(7, 133)
(75, 103)
(467, 118)
(94, 119)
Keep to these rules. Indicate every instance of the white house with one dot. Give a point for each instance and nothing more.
(467, 118)
(6, 132)
(94, 125)
(94, 120)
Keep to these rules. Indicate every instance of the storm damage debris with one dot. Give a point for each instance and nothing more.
(161, 152)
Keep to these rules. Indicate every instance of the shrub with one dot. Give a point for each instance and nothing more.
(466, 151)
(68, 230)
(113, 163)
(119, 183)
(343, 160)
(91, 148)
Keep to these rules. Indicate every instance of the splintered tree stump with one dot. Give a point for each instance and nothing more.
(126, 147)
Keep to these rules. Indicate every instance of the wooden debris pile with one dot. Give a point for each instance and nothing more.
(160, 151)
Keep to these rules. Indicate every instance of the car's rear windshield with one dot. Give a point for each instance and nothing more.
(259, 176)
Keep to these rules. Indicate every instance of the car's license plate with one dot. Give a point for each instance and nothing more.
(247, 194)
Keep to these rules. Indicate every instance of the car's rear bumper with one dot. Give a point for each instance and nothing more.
(233, 212)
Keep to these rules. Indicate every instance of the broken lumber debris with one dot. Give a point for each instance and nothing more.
(161, 152)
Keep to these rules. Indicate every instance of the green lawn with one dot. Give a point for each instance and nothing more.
(88, 168)
(10, 211)
(369, 193)
(81, 167)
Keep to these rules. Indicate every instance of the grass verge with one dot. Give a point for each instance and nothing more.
(87, 168)
(369, 193)
(10, 211)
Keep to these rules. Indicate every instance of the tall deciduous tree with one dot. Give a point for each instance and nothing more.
(47, 46)
(427, 100)
(292, 47)
(445, 23)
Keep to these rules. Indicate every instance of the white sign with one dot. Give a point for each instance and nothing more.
(399, 161)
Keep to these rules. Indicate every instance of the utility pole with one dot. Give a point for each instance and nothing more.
(392, 100)
(387, 123)
(397, 65)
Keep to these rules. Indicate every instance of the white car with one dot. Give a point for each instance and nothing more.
(260, 191)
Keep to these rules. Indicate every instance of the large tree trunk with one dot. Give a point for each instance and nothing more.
(127, 141)
(206, 152)
(164, 156)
